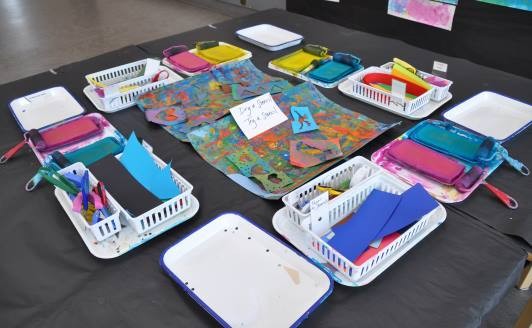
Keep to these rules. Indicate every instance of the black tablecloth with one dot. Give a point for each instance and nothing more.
(48, 278)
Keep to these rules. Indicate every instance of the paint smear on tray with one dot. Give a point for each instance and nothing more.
(294, 274)
(424, 11)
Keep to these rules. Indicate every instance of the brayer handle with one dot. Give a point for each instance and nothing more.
(509, 201)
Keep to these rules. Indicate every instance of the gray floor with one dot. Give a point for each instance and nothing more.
(36, 35)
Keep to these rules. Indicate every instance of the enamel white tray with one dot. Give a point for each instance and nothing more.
(44, 108)
(243, 276)
(269, 37)
(127, 239)
(346, 86)
(492, 115)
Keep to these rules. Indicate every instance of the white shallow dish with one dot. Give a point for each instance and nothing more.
(346, 86)
(127, 239)
(244, 277)
(492, 115)
(44, 108)
(269, 37)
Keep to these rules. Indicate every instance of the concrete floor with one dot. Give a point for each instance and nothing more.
(37, 35)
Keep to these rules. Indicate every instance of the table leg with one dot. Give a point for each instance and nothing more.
(525, 319)
(526, 277)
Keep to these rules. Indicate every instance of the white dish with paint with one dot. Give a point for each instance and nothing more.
(492, 115)
(244, 277)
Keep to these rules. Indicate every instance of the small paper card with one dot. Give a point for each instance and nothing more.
(439, 69)
(303, 121)
(398, 90)
(258, 115)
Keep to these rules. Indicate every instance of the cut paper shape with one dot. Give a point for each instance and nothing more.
(308, 152)
(246, 160)
(370, 252)
(302, 120)
(125, 189)
(353, 237)
(381, 215)
(423, 11)
(139, 163)
(415, 203)
(241, 92)
(273, 181)
(166, 116)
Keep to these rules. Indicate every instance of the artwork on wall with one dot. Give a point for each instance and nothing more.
(435, 13)
(518, 4)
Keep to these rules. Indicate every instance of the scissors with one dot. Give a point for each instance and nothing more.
(53, 177)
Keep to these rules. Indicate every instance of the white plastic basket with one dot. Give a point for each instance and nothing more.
(124, 76)
(164, 211)
(106, 227)
(332, 178)
(384, 99)
(439, 93)
(355, 197)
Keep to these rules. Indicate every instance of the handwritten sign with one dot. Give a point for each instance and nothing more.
(258, 115)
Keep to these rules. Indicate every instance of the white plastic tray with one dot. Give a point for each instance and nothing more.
(492, 115)
(269, 37)
(127, 238)
(44, 108)
(346, 88)
(244, 277)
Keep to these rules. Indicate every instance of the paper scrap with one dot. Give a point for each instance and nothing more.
(302, 120)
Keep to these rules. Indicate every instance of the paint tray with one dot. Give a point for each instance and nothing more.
(312, 75)
(244, 277)
(444, 193)
(166, 62)
(491, 114)
(44, 108)
(269, 37)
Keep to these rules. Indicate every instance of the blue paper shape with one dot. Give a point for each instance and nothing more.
(140, 164)
(381, 214)
(353, 237)
(302, 120)
(415, 202)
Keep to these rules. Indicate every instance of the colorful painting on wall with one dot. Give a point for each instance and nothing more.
(518, 4)
(434, 13)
